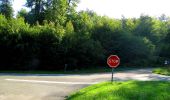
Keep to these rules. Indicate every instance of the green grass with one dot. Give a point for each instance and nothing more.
(162, 71)
(130, 90)
(80, 71)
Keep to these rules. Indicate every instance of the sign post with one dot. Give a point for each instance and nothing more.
(112, 74)
(113, 61)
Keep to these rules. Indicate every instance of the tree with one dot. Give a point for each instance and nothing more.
(129, 25)
(22, 13)
(144, 26)
(72, 4)
(56, 11)
(159, 30)
(163, 17)
(6, 8)
(37, 9)
(165, 47)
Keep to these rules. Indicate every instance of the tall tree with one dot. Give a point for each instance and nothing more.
(37, 9)
(144, 26)
(6, 8)
(60, 11)
(56, 11)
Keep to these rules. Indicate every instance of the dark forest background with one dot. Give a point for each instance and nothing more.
(53, 34)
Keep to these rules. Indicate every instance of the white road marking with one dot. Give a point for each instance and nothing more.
(52, 82)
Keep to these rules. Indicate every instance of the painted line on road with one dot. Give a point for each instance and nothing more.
(51, 82)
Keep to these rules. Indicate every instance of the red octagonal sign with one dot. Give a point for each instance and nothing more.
(113, 61)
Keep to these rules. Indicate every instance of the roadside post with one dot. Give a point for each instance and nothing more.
(113, 61)
(65, 67)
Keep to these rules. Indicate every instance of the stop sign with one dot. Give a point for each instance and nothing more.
(113, 61)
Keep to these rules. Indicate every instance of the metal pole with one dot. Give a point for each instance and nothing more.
(112, 74)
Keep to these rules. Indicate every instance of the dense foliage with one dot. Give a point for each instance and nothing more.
(6, 8)
(53, 34)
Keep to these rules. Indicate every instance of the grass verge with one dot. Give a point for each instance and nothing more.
(130, 90)
(162, 71)
(80, 71)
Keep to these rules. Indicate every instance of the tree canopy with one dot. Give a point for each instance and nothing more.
(53, 34)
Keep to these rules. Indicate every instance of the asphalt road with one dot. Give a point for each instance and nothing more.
(58, 86)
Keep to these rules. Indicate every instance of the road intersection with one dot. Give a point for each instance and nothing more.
(58, 86)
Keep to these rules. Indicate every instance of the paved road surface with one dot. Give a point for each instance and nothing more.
(56, 87)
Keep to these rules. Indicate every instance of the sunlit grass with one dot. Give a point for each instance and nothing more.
(162, 71)
(130, 90)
